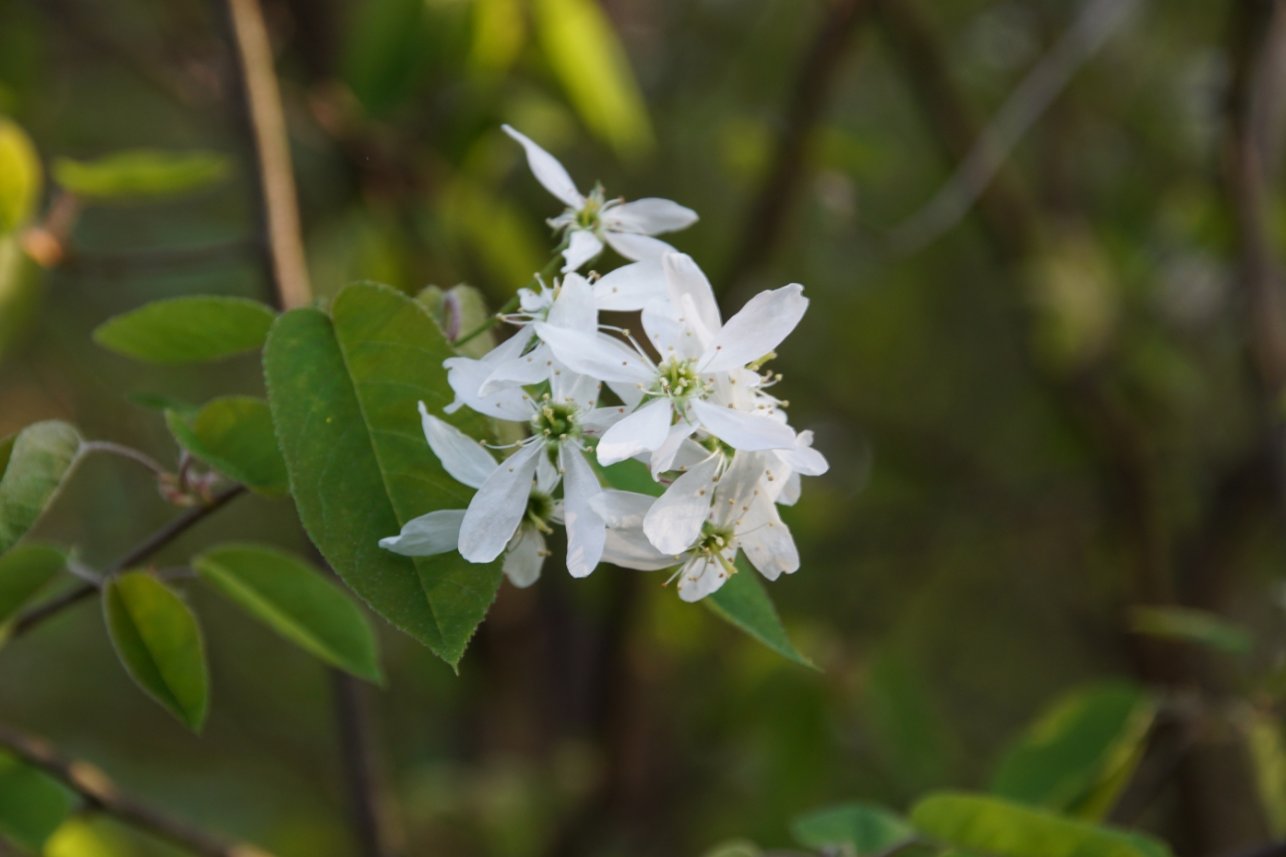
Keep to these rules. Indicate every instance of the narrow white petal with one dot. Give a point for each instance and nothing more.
(670, 333)
(434, 533)
(674, 522)
(789, 494)
(599, 420)
(650, 216)
(700, 577)
(464, 458)
(595, 355)
(636, 247)
(642, 431)
(684, 278)
(766, 540)
(663, 458)
(467, 376)
(498, 507)
(574, 305)
(762, 324)
(525, 556)
(582, 246)
(629, 548)
(622, 509)
(742, 430)
(586, 532)
(547, 478)
(548, 171)
(631, 287)
(570, 387)
(530, 368)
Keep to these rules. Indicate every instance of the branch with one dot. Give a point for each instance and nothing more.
(805, 102)
(352, 717)
(141, 552)
(1016, 116)
(101, 794)
(265, 121)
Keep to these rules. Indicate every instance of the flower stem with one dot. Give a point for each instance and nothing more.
(551, 268)
(123, 451)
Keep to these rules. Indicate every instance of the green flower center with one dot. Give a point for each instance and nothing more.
(714, 539)
(679, 379)
(555, 422)
(540, 507)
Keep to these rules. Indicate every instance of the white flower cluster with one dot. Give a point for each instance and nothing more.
(690, 400)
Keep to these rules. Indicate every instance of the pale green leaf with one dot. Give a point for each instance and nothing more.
(187, 330)
(158, 640)
(32, 804)
(1089, 739)
(24, 571)
(857, 829)
(296, 601)
(590, 62)
(343, 394)
(1000, 828)
(1189, 625)
(34, 463)
(744, 603)
(140, 173)
(234, 435)
(20, 177)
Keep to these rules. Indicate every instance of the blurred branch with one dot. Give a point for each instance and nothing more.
(101, 794)
(1249, 51)
(122, 451)
(352, 716)
(265, 123)
(806, 100)
(1097, 21)
(29, 619)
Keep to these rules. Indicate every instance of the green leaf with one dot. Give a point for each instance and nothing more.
(1003, 829)
(1267, 745)
(140, 173)
(34, 464)
(234, 435)
(1189, 625)
(860, 829)
(744, 602)
(1080, 752)
(187, 330)
(343, 396)
(158, 640)
(24, 571)
(292, 598)
(21, 287)
(20, 177)
(589, 61)
(32, 804)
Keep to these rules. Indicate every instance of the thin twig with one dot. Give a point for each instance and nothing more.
(100, 794)
(139, 553)
(265, 121)
(1033, 96)
(127, 452)
(806, 101)
(352, 716)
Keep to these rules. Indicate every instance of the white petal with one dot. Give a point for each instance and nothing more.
(466, 377)
(700, 577)
(582, 246)
(650, 216)
(684, 278)
(669, 333)
(674, 522)
(629, 548)
(434, 533)
(595, 355)
(766, 540)
(642, 431)
(663, 457)
(789, 494)
(547, 478)
(630, 394)
(464, 458)
(762, 324)
(600, 420)
(525, 557)
(586, 532)
(805, 460)
(548, 171)
(622, 509)
(498, 507)
(636, 247)
(574, 305)
(742, 430)
(531, 368)
(631, 287)
(570, 387)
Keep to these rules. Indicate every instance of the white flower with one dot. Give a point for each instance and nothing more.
(742, 517)
(701, 359)
(590, 221)
(517, 509)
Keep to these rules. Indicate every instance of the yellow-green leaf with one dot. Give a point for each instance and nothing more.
(32, 804)
(187, 330)
(24, 571)
(140, 173)
(20, 177)
(234, 435)
(158, 640)
(34, 463)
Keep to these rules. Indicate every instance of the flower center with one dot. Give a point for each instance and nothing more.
(540, 507)
(714, 539)
(678, 379)
(587, 217)
(555, 421)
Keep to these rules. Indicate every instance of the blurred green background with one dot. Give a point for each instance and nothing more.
(1044, 417)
